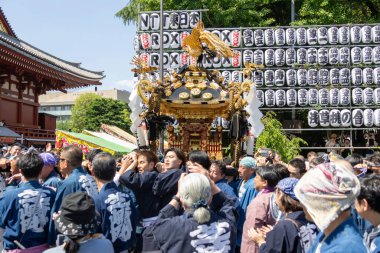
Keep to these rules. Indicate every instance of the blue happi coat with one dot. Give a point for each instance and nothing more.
(118, 217)
(24, 215)
(227, 189)
(52, 180)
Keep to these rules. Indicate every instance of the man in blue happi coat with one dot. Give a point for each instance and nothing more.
(49, 177)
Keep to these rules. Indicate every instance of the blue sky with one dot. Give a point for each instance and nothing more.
(85, 31)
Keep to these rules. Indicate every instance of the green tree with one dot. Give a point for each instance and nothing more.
(275, 138)
(91, 110)
(63, 125)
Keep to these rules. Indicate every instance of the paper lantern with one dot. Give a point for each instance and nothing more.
(324, 97)
(345, 118)
(248, 37)
(184, 35)
(166, 21)
(270, 99)
(302, 77)
(237, 76)
(301, 56)
(368, 96)
(136, 43)
(357, 96)
(344, 35)
(279, 77)
(208, 62)
(356, 55)
(291, 97)
(236, 59)
(312, 55)
(356, 36)
(344, 55)
(175, 40)
(269, 57)
(216, 62)
(367, 76)
(269, 77)
(260, 97)
(227, 76)
(279, 56)
(258, 36)
(367, 55)
(184, 59)
(166, 60)
(312, 77)
(291, 77)
(334, 97)
(333, 35)
(313, 118)
(376, 117)
(174, 20)
(313, 97)
(226, 62)
(333, 55)
(269, 37)
(324, 118)
(184, 21)
(258, 77)
(155, 21)
(376, 34)
(356, 76)
(376, 55)
(376, 76)
(344, 96)
(357, 118)
(291, 38)
(322, 35)
(301, 36)
(291, 56)
(194, 18)
(334, 118)
(344, 76)
(226, 37)
(323, 77)
(154, 60)
(258, 57)
(280, 98)
(323, 56)
(303, 99)
(166, 39)
(217, 33)
(235, 38)
(248, 56)
(145, 40)
(144, 22)
(366, 34)
(155, 41)
(334, 76)
(279, 35)
(312, 37)
(376, 95)
(174, 60)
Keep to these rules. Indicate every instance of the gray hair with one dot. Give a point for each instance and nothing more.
(195, 191)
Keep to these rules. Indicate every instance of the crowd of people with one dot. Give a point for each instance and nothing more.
(62, 201)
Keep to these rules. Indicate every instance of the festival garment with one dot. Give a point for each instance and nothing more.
(372, 239)
(166, 186)
(53, 181)
(92, 245)
(224, 187)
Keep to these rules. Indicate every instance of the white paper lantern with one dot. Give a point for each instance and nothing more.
(154, 60)
(155, 41)
(279, 56)
(174, 60)
(155, 21)
(334, 118)
(356, 55)
(323, 77)
(356, 36)
(312, 37)
(313, 118)
(236, 59)
(291, 97)
(376, 34)
(235, 38)
(344, 96)
(269, 37)
(356, 76)
(194, 18)
(376, 76)
(323, 56)
(248, 37)
(368, 96)
(312, 55)
(270, 99)
(357, 117)
(269, 77)
(345, 118)
(291, 37)
(324, 97)
(303, 97)
(185, 59)
(301, 56)
(258, 36)
(376, 55)
(279, 77)
(344, 55)
(334, 76)
(208, 62)
(258, 57)
(216, 62)
(312, 77)
(334, 97)
(166, 21)
(322, 35)
(324, 118)
(166, 60)
(367, 55)
(184, 21)
(333, 35)
(291, 56)
(279, 35)
(280, 98)
(344, 76)
(217, 33)
(166, 39)
(344, 35)
(269, 57)
(302, 77)
(248, 56)
(301, 36)
(376, 117)
(226, 37)
(367, 76)
(237, 76)
(145, 57)
(376, 95)
(174, 20)
(144, 22)
(366, 34)
(357, 96)
(334, 55)
(227, 76)
(136, 43)
(291, 77)
(258, 77)
(313, 97)
(260, 97)
(175, 40)
(145, 40)
(184, 35)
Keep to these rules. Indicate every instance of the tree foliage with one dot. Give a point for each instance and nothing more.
(275, 138)
(63, 125)
(91, 110)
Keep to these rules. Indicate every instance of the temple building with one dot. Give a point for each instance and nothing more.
(27, 72)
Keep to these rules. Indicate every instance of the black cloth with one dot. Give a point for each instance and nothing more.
(166, 186)
(238, 126)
